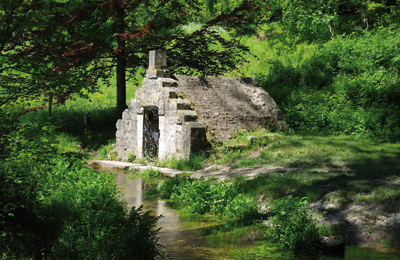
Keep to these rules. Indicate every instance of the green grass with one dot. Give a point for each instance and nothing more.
(107, 152)
(151, 173)
(72, 135)
(194, 163)
(341, 169)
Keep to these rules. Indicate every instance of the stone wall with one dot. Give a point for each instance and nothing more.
(227, 104)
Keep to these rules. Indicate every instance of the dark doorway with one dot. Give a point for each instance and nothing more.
(151, 133)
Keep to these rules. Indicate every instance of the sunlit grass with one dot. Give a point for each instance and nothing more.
(72, 134)
(194, 163)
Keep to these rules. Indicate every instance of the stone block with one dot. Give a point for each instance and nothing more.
(172, 94)
(281, 125)
(157, 73)
(186, 116)
(163, 147)
(132, 105)
(169, 84)
(157, 59)
(119, 124)
(182, 104)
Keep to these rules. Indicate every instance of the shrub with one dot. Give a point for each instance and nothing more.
(131, 157)
(171, 185)
(294, 227)
(151, 173)
(208, 197)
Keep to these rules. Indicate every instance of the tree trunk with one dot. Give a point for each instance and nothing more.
(121, 60)
(331, 30)
(50, 105)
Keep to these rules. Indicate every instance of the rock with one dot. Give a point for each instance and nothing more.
(277, 114)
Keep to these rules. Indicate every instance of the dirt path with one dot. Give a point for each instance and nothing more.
(224, 172)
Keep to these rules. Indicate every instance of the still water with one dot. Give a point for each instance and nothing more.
(201, 238)
(186, 237)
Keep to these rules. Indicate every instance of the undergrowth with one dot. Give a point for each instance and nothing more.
(53, 206)
(294, 227)
(208, 197)
(347, 85)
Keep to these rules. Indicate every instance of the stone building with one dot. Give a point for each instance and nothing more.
(172, 115)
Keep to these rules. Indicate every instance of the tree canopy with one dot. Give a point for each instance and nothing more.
(61, 47)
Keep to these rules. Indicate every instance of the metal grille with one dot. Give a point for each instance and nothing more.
(151, 132)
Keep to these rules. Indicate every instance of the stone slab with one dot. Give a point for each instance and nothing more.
(131, 166)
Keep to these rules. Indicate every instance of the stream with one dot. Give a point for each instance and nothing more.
(185, 237)
(202, 237)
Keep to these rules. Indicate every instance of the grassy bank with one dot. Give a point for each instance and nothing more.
(340, 167)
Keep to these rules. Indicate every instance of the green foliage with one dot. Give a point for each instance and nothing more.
(171, 185)
(131, 157)
(30, 67)
(294, 227)
(208, 197)
(44, 54)
(70, 134)
(151, 173)
(389, 18)
(107, 152)
(309, 20)
(348, 85)
(195, 162)
(55, 207)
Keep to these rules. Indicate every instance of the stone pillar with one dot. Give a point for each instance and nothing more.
(158, 65)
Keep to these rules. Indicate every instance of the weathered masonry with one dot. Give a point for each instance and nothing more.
(171, 116)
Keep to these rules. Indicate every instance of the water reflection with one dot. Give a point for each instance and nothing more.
(183, 238)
